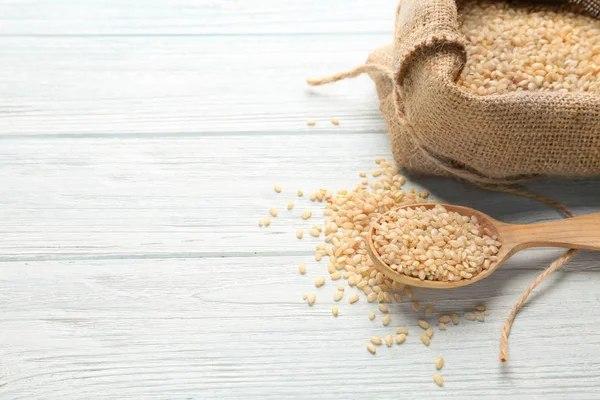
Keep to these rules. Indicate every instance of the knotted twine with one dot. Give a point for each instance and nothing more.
(382, 72)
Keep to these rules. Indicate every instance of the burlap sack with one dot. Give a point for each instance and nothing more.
(438, 128)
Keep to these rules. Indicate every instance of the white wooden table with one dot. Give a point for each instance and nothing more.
(139, 144)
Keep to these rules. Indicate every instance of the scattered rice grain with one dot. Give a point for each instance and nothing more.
(302, 268)
(400, 338)
(401, 331)
(455, 319)
(376, 340)
(423, 324)
(389, 340)
(425, 339)
(337, 296)
(371, 348)
(386, 320)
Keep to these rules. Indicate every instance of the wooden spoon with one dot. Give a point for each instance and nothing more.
(574, 233)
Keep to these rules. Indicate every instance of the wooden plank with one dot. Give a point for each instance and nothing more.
(106, 198)
(157, 68)
(238, 328)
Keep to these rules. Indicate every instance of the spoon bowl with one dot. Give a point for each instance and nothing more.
(581, 232)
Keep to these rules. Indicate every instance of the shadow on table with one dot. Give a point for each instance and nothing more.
(580, 195)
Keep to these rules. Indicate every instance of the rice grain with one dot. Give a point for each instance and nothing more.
(402, 331)
(436, 244)
(386, 320)
(423, 324)
(400, 338)
(320, 281)
(376, 340)
(371, 348)
(389, 340)
(302, 269)
(455, 319)
(337, 296)
(525, 48)
(439, 363)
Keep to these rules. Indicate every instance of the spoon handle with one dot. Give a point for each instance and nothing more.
(582, 232)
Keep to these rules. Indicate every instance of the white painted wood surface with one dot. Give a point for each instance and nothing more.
(139, 143)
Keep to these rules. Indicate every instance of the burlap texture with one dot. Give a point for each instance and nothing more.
(438, 128)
